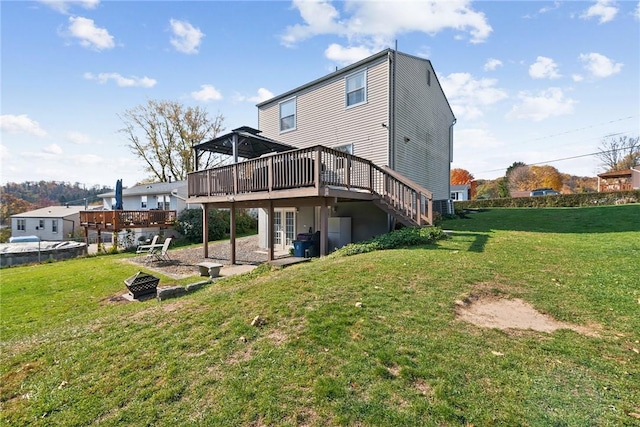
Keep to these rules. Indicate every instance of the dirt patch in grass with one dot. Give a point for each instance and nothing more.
(505, 314)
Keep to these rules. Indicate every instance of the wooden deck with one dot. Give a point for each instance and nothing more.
(317, 176)
(120, 220)
(287, 179)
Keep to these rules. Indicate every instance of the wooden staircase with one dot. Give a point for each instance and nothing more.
(408, 202)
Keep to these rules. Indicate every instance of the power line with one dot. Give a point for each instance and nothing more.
(579, 129)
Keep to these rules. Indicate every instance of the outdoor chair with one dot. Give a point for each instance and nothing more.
(160, 254)
(145, 249)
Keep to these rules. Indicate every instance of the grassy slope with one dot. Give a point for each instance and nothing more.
(400, 359)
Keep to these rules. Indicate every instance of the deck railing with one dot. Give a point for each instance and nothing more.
(118, 220)
(616, 186)
(299, 168)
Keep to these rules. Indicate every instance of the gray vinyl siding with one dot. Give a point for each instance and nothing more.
(424, 117)
(322, 117)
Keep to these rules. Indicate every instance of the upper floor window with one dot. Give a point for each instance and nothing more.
(54, 225)
(41, 224)
(164, 202)
(143, 202)
(356, 88)
(288, 115)
(21, 224)
(346, 148)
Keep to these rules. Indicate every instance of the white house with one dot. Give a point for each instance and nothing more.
(54, 223)
(157, 195)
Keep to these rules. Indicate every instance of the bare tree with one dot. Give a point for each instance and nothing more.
(162, 134)
(619, 153)
(520, 178)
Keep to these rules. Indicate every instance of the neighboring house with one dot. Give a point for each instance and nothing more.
(388, 108)
(371, 143)
(54, 223)
(147, 210)
(158, 195)
(624, 180)
(461, 192)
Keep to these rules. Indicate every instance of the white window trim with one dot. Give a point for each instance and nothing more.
(295, 114)
(54, 226)
(21, 224)
(366, 91)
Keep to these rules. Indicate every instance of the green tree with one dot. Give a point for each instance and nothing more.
(162, 134)
(190, 224)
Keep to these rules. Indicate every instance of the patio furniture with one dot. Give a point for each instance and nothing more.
(160, 254)
(143, 249)
(211, 269)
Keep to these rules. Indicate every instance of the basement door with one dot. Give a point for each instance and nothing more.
(284, 228)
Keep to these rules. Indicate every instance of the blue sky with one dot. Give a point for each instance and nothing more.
(528, 81)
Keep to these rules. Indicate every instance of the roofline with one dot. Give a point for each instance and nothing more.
(347, 70)
(344, 70)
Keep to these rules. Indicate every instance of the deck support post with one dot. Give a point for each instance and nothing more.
(232, 232)
(270, 254)
(324, 228)
(205, 230)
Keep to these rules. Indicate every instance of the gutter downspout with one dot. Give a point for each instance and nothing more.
(450, 207)
(392, 111)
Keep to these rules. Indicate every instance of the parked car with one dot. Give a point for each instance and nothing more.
(543, 192)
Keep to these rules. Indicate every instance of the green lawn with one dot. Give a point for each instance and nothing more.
(70, 357)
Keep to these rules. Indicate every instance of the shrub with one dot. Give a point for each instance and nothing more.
(189, 224)
(562, 200)
(405, 237)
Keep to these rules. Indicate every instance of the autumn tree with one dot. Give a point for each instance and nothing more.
(162, 134)
(619, 153)
(546, 177)
(525, 178)
(460, 177)
(11, 205)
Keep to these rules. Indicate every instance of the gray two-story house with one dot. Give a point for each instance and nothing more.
(348, 155)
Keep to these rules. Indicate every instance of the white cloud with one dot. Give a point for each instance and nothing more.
(577, 77)
(467, 95)
(347, 55)
(187, 38)
(556, 5)
(605, 10)
(90, 36)
(262, 95)
(206, 93)
(63, 6)
(636, 12)
(540, 106)
(21, 124)
(54, 149)
(492, 64)
(78, 138)
(121, 81)
(544, 68)
(377, 23)
(599, 65)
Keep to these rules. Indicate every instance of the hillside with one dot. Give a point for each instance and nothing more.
(21, 197)
(376, 339)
